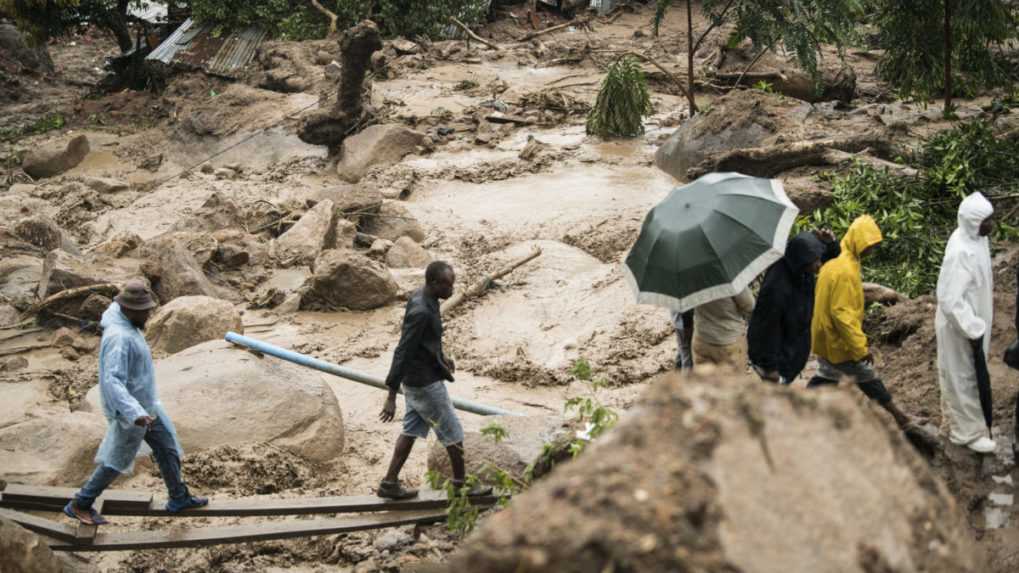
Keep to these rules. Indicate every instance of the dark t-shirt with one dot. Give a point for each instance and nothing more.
(418, 359)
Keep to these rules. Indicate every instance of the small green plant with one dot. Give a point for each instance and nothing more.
(623, 102)
(495, 431)
(461, 514)
(435, 480)
(764, 86)
(581, 369)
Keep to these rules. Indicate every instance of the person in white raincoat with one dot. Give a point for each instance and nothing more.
(127, 390)
(963, 322)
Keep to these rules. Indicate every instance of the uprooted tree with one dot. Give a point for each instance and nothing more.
(330, 127)
(623, 101)
(943, 47)
(801, 27)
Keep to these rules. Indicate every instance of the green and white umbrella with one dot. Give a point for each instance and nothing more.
(709, 239)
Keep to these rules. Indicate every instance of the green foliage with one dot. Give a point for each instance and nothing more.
(581, 369)
(38, 19)
(918, 214)
(764, 86)
(461, 514)
(661, 6)
(912, 35)
(435, 480)
(495, 431)
(42, 125)
(416, 18)
(590, 413)
(623, 101)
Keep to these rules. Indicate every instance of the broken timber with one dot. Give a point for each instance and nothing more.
(379, 513)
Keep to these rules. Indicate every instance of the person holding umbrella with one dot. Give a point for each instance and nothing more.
(701, 247)
(837, 325)
(963, 326)
(778, 337)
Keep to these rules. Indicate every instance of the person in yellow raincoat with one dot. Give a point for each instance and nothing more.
(837, 326)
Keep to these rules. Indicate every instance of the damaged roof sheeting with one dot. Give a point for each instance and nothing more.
(194, 46)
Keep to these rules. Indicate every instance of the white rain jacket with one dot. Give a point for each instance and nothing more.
(127, 388)
(965, 311)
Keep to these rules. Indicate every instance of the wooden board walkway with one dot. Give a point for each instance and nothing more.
(127, 502)
(428, 507)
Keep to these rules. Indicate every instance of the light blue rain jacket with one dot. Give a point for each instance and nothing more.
(127, 387)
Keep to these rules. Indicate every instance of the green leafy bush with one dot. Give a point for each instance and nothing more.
(623, 101)
(918, 214)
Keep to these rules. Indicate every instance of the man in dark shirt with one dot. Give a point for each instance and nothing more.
(420, 366)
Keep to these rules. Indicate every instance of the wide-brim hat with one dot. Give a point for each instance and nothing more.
(136, 296)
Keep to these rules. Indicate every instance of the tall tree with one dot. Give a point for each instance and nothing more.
(801, 27)
(943, 47)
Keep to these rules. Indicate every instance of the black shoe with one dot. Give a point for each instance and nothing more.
(393, 490)
(476, 489)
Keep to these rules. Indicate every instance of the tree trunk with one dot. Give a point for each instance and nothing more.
(116, 23)
(689, 58)
(328, 14)
(948, 57)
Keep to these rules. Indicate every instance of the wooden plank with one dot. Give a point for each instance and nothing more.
(40, 525)
(203, 536)
(427, 499)
(59, 496)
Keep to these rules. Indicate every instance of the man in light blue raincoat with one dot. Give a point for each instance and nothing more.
(127, 388)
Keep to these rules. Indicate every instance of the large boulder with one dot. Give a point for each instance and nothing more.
(727, 474)
(236, 248)
(739, 119)
(344, 279)
(62, 270)
(312, 233)
(216, 213)
(174, 263)
(22, 551)
(191, 320)
(51, 450)
(52, 161)
(524, 443)
(220, 395)
(392, 222)
(14, 49)
(407, 254)
(43, 232)
(376, 145)
(19, 279)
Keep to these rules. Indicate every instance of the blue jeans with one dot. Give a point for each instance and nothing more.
(429, 408)
(167, 456)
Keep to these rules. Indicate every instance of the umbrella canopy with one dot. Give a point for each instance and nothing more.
(708, 239)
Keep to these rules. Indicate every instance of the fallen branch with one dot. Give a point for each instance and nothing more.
(28, 348)
(328, 14)
(653, 62)
(772, 160)
(503, 118)
(108, 289)
(482, 285)
(747, 69)
(534, 35)
(874, 292)
(836, 157)
(472, 35)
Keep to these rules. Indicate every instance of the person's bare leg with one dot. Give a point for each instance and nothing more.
(456, 460)
(404, 444)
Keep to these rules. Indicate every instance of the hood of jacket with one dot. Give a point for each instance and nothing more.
(972, 212)
(113, 317)
(862, 234)
(803, 250)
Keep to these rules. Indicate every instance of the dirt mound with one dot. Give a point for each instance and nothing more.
(724, 474)
(22, 551)
(249, 469)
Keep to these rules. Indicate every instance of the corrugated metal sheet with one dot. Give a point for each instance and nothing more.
(193, 46)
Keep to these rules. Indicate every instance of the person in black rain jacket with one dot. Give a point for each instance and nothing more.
(778, 337)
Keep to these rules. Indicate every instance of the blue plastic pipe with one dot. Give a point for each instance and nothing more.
(342, 372)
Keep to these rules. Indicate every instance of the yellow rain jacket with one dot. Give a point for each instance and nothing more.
(837, 327)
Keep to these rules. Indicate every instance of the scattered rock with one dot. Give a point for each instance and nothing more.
(8, 314)
(44, 233)
(351, 200)
(376, 145)
(392, 222)
(19, 279)
(190, 320)
(405, 47)
(874, 292)
(392, 539)
(49, 162)
(62, 270)
(315, 231)
(379, 248)
(51, 450)
(345, 279)
(70, 354)
(724, 474)
(246, 399)
(22, 551)
(237, 248)
(532, 149)
(333, 70)
(527, 436)
(16, 50)
(13, 363)
(119, 245)
(63, 337)
(105, 184)
(174, 270)
(216, 213)
(94, 306)
(406, 253)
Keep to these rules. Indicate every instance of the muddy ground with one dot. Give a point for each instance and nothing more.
(579, 199)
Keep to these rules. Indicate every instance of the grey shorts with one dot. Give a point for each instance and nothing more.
(429, 407)
(866, 379)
